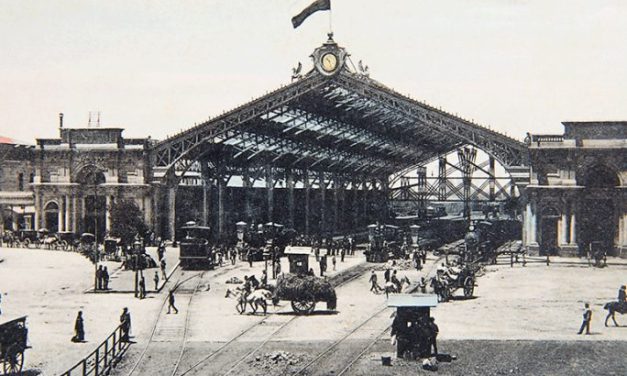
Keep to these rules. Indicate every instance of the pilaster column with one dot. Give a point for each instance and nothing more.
(573, 227)
(563, 226)
(60, 219)
(533, 227)
(108, 203)
(66, 199)
(37, 209)
(74, 213)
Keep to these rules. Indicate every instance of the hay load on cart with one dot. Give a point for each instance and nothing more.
(304, 291)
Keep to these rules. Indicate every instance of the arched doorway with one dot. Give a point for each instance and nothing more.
(598, 222)
(51, 216)
(94, 200)
(548, 231)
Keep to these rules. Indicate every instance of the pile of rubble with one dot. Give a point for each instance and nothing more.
(277, 358)
(396, 264)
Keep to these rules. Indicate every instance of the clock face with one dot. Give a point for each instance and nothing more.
(329, 62)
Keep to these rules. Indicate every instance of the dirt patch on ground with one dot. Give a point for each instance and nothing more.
(508, 358)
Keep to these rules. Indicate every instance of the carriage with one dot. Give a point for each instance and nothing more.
(384, 243)
(303, 292)
(66, 240)
(464, 280)
(13, 339)
(28, 237)
(112, 248)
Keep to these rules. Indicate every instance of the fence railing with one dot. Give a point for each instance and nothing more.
(101, 360)
(547, 138)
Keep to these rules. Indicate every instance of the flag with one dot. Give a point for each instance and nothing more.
(311, 9)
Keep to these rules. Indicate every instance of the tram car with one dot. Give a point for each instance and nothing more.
(195, 248)
(263, 235)
(384, 243)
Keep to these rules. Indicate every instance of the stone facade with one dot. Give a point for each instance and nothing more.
(16, 197)
(80, 174)
(577, 197)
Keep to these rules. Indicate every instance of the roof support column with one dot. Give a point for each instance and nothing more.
(171, 200)
(289, 180)
(206, 193)
(336, 192)
(343, 222)
(323, 189)
(364, 197)
(492, 178)
(247, 192)
(307, 192)
(442, 178)
(221, 214)
(355, 203)
(385, 188)
(270, 192)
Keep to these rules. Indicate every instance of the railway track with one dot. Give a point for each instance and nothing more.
(179, 286)
(337, 281)
(333, 349)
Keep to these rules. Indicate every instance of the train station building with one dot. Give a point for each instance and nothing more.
(322, 154)
(577, 196)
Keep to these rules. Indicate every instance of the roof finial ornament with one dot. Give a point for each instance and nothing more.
(296, 71)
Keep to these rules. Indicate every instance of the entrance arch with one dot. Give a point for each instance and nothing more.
(94, 200)
(51, 216)
(549, 217)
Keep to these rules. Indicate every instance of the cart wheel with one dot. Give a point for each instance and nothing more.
(469, 287)
(305, 305)
(26, 243)
(13, 361)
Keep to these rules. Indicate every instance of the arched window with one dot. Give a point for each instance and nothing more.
(599, 176)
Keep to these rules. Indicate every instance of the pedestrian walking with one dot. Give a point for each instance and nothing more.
(587, 317)
(264, 278)
(125, 323)
(79, 329)
(249, 257)
(171, 302)
(433, 335)
(323, 264)
(105, 279)
(160, 249)
(374, 286)
(156, 279)
(334, 262)
(142, 287)
(233, 256)
(278, 267)
(163, 264)
(386, 275)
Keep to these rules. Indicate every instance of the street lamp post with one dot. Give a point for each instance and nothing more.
(96, 255)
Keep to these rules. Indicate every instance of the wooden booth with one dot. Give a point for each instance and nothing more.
(411, 323)
(299, 259)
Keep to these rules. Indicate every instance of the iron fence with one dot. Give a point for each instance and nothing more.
(100, 361)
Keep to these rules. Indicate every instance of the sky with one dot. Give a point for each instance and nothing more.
(157, 67)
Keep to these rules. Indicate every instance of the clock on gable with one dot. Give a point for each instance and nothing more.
(329, 58)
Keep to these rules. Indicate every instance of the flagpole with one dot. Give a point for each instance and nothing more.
(330, 21)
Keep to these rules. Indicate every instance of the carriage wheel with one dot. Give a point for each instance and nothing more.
(26, 243)
(13, 361)
(305, 305)
(63, 244)
(469, 287)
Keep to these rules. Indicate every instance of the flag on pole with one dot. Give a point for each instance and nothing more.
(317, 5)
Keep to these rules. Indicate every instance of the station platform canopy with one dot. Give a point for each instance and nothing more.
(334, 118)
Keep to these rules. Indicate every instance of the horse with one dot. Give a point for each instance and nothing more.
(614, 307)
(440, 289)
(256, 298)
(391, 287)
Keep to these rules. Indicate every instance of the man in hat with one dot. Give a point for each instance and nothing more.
(105, 279)
(587, 317)
(156, 279)
(99, 278)
(433, 335)
(374, 286)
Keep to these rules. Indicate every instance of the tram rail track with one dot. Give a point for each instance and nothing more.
(338, 281)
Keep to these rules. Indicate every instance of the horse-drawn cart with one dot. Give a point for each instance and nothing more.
(13, 338)
(304, 292)
(445, 286)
